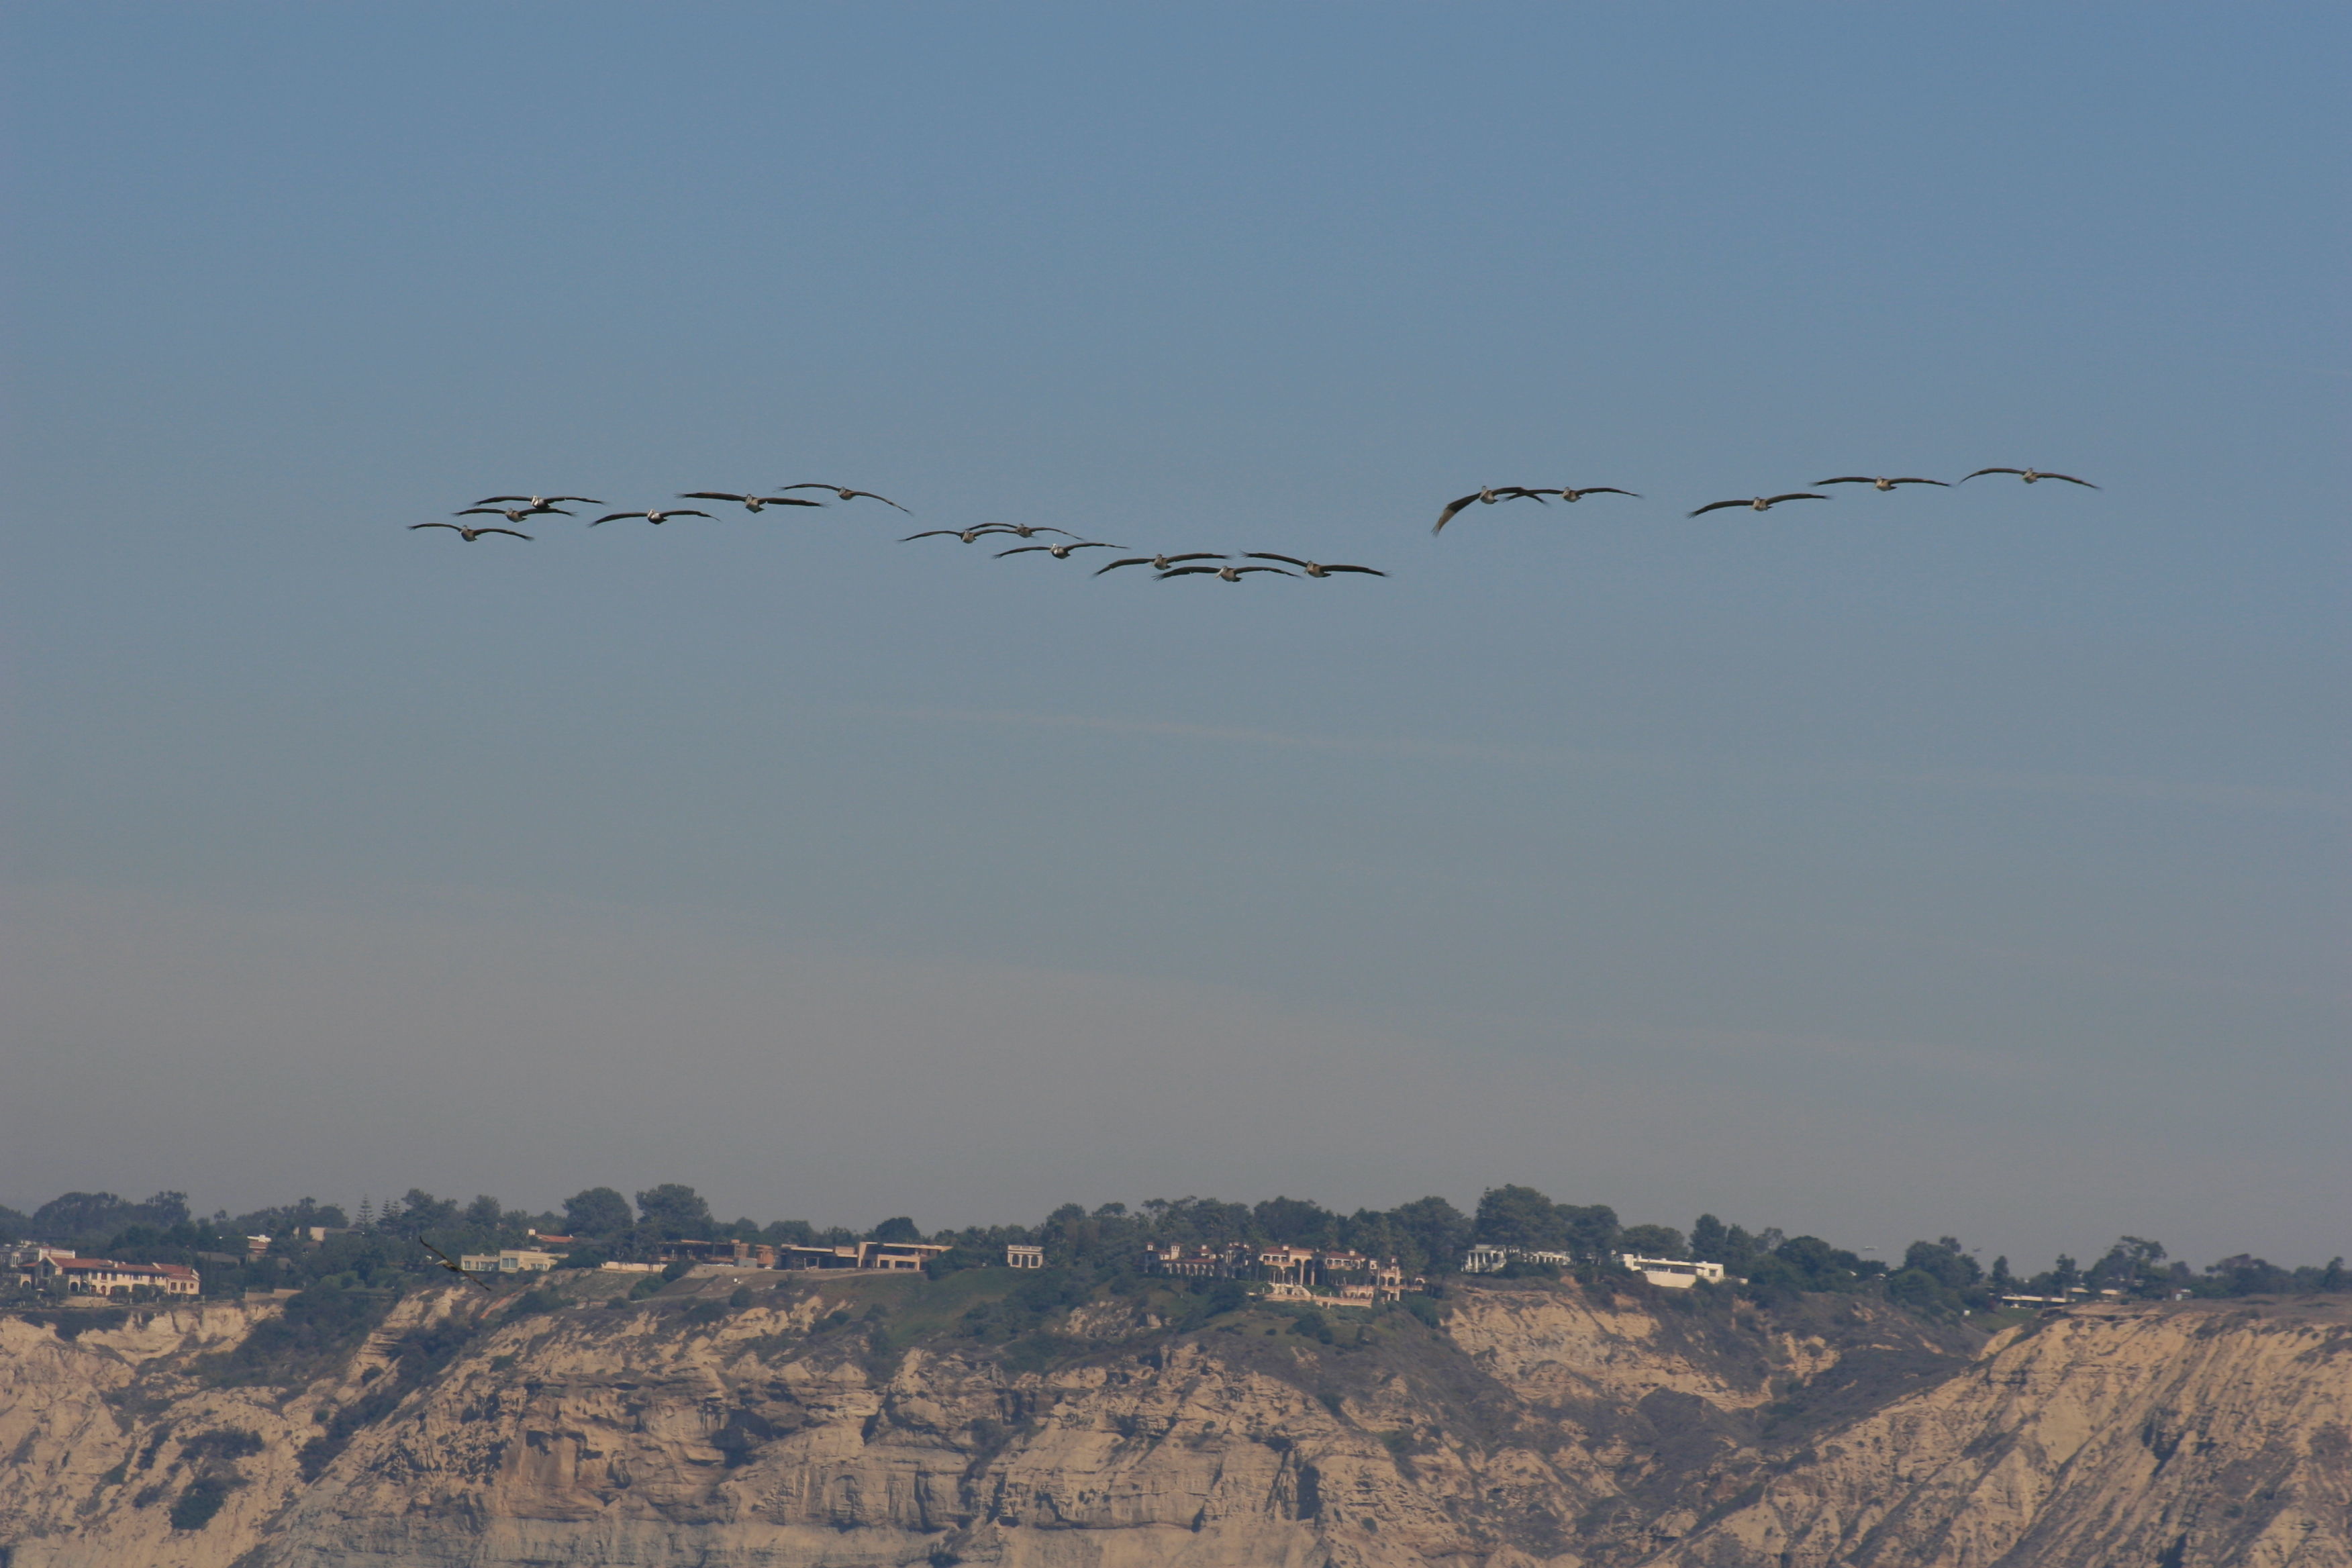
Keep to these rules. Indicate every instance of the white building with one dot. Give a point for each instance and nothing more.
(1019, 1256)
(1484, 1259)
(1673, 1273)
(510, 1261)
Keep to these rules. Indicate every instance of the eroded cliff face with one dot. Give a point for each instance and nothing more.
(853, 1421)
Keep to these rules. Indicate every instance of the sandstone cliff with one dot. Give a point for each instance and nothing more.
(868, 1420)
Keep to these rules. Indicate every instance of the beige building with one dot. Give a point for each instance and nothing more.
(509, 1260)
(1019, 1256)
(104, 1276)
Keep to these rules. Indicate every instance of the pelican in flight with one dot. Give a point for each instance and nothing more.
(2030, 475)
(1760, 503)
(1161, 563)
(750, 504)
(511, 513)
(1567, 494)
(1878, 482)
(1025, 528)
(444, 1261)
(1058, 551)
(467, 534)
(845, 493)
(656, 518)
(1225, 574)
(538, 503)
(1485, 495)
(1312, 568)
(969, 535)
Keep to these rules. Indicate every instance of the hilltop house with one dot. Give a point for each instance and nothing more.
(1673, 1273)
(104, 1276)
(509, 1260)
(869, 1254)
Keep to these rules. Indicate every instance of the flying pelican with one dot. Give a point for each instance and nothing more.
(512, 514)
(1312, 568)
(1225, 574)
(538, 503)
(1058, 551)
(1025, 528)
(750, 504)
(1760, 503)
(1487, 495)
(969, 535)
(470, 535)
(1161, 563)
(2030, 475)
(1879, 483)
(1567, 494)
(656, 518)
(451, 1267)
(845, 493)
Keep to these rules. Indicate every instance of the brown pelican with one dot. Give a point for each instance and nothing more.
(1225, 574)
(750, 504)
(1312, 568)
(2030, 475)
(656, 518)
(845, 493)
(1760, 503)
(468, 535)
(538, 503)
(1880, 482)
(1026, 528)
(1567, 494)
(1485, 494)
(969, 535)
(512, 514)
(1058, 551)
(444, 1261)
(1161, 563)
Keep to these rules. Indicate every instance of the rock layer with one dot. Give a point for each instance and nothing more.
(847, 1423)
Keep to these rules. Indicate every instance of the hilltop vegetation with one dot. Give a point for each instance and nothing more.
(376, 1253)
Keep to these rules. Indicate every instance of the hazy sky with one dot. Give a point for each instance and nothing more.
(1960, 861)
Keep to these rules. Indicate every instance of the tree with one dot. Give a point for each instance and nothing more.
(485, 1212)
(1708, 1236)
(898, 1227)
(1441, 1231)
(14, 1226)
(597, 1211)
(2003, 1282)
(675, 1212)
(90, 1216)
(1296, 1222)
(1651, 1240)
(1944, 1260)
(1592, 1231)
(1521, 1217)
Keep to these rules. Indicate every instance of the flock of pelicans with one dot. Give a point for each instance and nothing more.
(516, 510)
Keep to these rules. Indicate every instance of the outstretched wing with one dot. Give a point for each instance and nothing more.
(1087, 544)
(1451, 508)
(1270, 555)
(1190, 570)
(2071, 480)
(584, 500)
(1853, 479)
(787, 501)
(505, 531)
(869, 495)
(1245, 571)
(1367, 571)
(1607, 491)
(1719, 505)
(1130, 561)
(709, 495)
(1020, 550)
(1793, 494)
(493, 501)
(1938, 482)
(1966, 477)
(617, 516)
(458, 527)
(483, 510)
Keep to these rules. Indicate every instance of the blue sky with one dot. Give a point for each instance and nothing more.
(1967, 861)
